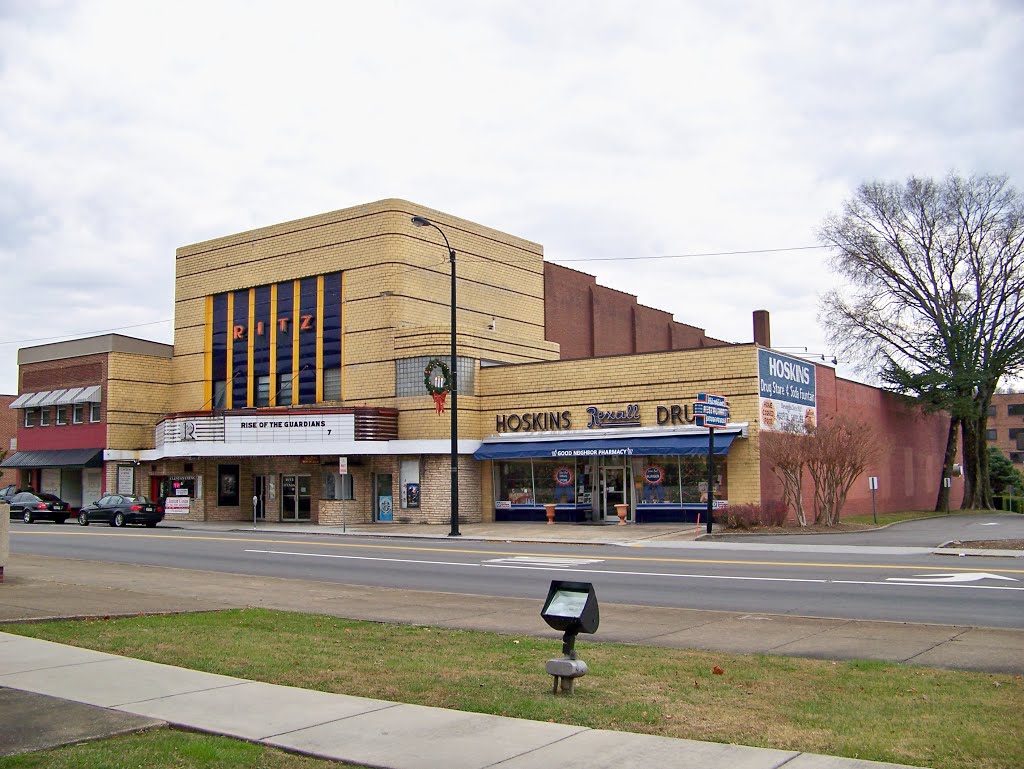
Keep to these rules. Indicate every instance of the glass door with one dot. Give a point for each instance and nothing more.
(296, 499)
(612, 491)
(383, 507)
(259, 492)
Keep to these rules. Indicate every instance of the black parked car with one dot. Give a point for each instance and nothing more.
(7, 492)
(30, 507)
(122, 509)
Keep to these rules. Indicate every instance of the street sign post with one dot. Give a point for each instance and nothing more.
(711, 411)
(873, 485)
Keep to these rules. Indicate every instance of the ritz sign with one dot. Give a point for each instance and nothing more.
(305, 323)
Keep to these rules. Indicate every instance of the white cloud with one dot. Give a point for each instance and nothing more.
(596, 129)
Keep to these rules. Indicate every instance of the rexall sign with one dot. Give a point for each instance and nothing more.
(787, 392)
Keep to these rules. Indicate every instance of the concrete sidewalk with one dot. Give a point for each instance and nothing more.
(355, 729)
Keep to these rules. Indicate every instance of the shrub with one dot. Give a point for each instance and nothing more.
(1008, 504)
(771, 512)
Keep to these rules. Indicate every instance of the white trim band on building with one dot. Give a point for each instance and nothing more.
(322, 448)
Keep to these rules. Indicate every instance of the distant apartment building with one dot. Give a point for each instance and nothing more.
(1006, 425)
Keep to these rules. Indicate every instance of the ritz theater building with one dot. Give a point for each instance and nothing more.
(299, 388)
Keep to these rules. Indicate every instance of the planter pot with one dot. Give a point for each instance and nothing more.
(620, 510)
(549, 511)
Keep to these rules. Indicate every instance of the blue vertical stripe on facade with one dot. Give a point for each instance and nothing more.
(219, 335)
(331, 321)
(307, 319)
(261, 333)
(235, 331)
(240, 351)
(285, 303)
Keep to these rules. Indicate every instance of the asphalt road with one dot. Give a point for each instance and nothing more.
(924, 532)
(920, 588)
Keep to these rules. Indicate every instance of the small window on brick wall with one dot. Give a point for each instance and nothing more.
(30, 417)
(332, 384)
(409, 375)
(337, 486)
(94, 412)
(44, 417)
(62, 415)
(990, 435)
(78, 413)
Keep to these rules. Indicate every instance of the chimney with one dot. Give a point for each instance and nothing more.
(762, 328)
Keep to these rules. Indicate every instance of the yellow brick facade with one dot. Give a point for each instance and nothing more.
(396, 282)
(648, 380)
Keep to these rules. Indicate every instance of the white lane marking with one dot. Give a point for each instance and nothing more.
(765, 579)
(648, 573)
(959, 576)
(362, 558)
(990, 524)
(541, 560)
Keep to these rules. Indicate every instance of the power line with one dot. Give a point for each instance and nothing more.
(690, 256)
(85, 333)
(465, 254)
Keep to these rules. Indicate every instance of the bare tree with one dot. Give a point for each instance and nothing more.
(786, 454)
(840, 449)
(936, 276)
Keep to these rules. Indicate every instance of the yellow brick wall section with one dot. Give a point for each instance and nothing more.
(648, 380)
(396, 278)
(138, 395)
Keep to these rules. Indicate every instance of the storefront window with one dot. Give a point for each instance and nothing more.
(227, 485)
(337, 486)
(693, 478)
(514, 482)
(554, 481)
(657, 480)
(409, 483)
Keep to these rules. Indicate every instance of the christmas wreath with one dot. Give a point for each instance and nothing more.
(439, 392)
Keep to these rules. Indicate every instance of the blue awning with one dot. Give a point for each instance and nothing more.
(668, 445)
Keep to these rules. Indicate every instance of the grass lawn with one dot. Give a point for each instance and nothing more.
(165, 748)
(869, 710)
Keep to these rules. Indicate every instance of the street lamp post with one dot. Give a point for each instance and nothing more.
(421, 221)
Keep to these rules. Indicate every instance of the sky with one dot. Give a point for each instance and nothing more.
(637, 142)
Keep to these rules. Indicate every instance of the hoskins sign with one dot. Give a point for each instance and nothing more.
(597, 418)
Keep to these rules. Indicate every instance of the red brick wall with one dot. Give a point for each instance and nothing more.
(588, 320)
(55, 375)
(913, 445)
(8, 430)
(1003, 423)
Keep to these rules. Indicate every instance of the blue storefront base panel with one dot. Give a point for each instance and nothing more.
(537, 513)
(668, 445)
(685, 513)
